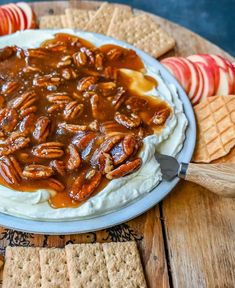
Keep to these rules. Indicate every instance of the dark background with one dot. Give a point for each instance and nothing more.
(212, 19)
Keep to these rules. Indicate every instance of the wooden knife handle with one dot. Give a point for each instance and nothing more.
(218, 178)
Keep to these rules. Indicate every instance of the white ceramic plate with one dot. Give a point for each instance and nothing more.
(133, 209)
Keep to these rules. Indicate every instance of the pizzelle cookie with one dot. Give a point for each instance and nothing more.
(216, 128)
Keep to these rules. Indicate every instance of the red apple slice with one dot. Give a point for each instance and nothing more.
(173, 69)
(9, 21)
(194, 79)
(4, 23)
(179, 71)
(16, 16)
(211, 64)
(28, 12)
(209, 85)
(22, 20)
(231, 71)
(197, 98)
(226, 84)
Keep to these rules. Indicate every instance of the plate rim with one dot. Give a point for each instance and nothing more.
(133, 209)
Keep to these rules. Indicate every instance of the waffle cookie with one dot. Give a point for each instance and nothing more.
(216, 128)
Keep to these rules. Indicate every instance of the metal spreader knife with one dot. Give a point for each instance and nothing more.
(218, 178)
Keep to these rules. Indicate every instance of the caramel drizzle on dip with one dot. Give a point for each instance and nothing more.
(73, 117)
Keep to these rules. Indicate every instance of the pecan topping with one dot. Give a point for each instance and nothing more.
(58, 166)
(37, 53)
(80, 58)
(72, 128)
(129, 122)
(55, 185)
(9, 87)
(160, 116)
(105, 163)
(69, 73)
(86, 82)
(73, 110)
(125, 169)
(8, 119)
(58, 98)
(119, 98)
(94, 106)
(42, 129)
(74, 159)
(48, 150)
(27, 124)
(99, 58)
(16, 141)
(83, 139)
(37, 171)
(85, 185)
(10, 170)
(51, 82)
(114, 54)
(65, 61)
(25, 102)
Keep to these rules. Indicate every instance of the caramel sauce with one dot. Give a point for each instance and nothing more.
(23, 66)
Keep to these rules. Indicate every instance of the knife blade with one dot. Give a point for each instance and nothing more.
(170, 167)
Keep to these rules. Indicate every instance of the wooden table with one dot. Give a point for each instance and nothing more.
(185, 241)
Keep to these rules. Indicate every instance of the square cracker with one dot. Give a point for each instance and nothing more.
(77, 18)
(54, 271)
(120, 14)
(99, 23)
(156, 43)
(52, 22)
(22, 268)
(86, 266)
(124, 265)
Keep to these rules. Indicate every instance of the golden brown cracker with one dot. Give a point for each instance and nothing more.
(124, 265)
(51, 22)
(54, 271)
(22, 268)
(77, 18)
(216, 128)
(100, 22)
(86, 266)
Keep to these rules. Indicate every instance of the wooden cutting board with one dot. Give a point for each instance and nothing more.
(185, 241)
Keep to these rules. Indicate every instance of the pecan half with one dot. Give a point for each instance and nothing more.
(42, 129)
(85, 185)
(80, 58)
(37, 53)
(69, 73)
(8, 119)
(65, 61)
(74, 159)
(99, 59)
(51, 82)
(58, 98)
(9, 87)
(160, 116)
(119, 98)
(72, 128)
(125, 169)
(25, 103)
(27, 124)
(10, 170)
(94, 106)
(58, 166)
(105, 163)
(73, 110)
(7, 52)
(37, 171)
(55, 108)
(16, 141)
(85, 83)
(48, 150)
(114, 54)
(82, 140)
(129, 122)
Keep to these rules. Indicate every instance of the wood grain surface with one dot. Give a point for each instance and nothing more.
(185, 241)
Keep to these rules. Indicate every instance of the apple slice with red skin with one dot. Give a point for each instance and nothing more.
(211, 63)
(231, 71)
(209, 79)
(173, 69)
(16, 16)
(197, 98)
(28, 12)
(10, 20)
(22, 17)
(226, 84)
(4, 23)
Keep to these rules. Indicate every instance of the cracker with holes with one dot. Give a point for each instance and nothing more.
(54, 271)
(22, 268)
(86, 266)
(124, 265)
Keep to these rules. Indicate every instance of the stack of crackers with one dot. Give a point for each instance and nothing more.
(117, 21)
(216, 129)
(77, 266)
